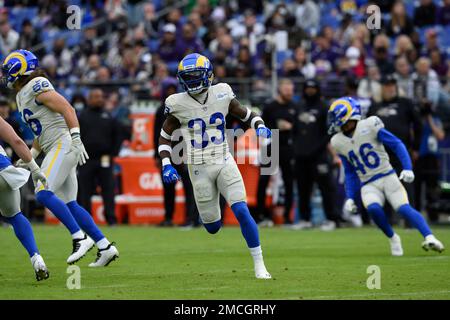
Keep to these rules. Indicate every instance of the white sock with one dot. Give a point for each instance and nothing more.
(78, 235)
(395, 236)
(257, 255)
(103, 243)
(430, 237)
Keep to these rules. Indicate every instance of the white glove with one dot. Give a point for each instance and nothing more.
(407, 176)
(78, 147)
(36, 174)
(21, 164)
(350, 207)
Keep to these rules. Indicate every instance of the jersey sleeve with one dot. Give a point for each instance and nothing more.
(375, 125)
(168, 107)
(352, 182)
(397, 146)
(230, 92)
(40, 85)
(226, 90)
(334, 144)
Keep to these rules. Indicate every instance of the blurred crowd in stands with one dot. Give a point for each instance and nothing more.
(131, 49)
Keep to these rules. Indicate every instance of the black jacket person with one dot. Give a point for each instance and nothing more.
(102, 138)
(280, 114)
(312, 161)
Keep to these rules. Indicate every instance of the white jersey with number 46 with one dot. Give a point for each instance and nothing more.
(363, 150)
(47, 126)
(203, 125)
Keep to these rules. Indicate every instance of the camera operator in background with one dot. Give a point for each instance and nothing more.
(280, 114)
(312, 161)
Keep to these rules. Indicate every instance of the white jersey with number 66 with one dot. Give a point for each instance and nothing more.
(47, 126)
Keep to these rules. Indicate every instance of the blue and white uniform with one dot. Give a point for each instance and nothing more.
(367, 166)
(212, 168)
(11, 179)
(52, 133)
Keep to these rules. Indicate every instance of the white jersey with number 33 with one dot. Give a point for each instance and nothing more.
(203, 125)
(47, 126)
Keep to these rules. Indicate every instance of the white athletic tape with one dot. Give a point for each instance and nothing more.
(254, 120)
(165, 135)
(247, 116)
(164, 147)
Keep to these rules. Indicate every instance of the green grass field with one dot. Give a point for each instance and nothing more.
(174, 264)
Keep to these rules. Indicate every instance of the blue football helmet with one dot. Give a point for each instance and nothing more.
(195, 73)
(18, 63)
(341, 111)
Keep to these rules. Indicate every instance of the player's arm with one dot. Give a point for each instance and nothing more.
(352, 185)
(57, 103)
(170, 174)
(9, 136)
(35, 151)
(397, 146)
(246, 115)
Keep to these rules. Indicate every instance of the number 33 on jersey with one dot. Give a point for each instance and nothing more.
(203, 125)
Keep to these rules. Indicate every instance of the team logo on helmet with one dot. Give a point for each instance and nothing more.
(18, 63)
(341, 111)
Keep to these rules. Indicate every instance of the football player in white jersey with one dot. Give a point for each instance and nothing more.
(200, 113)
(11, 179)
(361, 147)
(55, 126)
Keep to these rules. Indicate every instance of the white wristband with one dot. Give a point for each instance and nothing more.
(74, 130)
(164, 147)
(35, 153)
(254, 120)
(166, 161)
(247, 116)
(32, 165)
(165, 135)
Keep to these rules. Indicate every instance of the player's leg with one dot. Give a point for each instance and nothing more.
(305, 181)
(51, 168)
(327, 187)
(206, 197)
(191, 207)
(10, 209)
(231, 186)
(107, 252)
(55, 167)
(373, 199)
(106, 180)
(263, 215)
(87, 183)
(169, 203)
(287, 173)
(398, 198)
